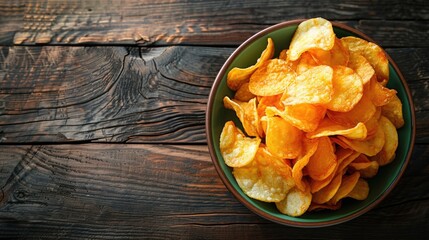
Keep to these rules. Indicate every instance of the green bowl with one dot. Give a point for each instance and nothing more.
(380, 186)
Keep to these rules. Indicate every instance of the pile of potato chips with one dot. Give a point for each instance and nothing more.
(318, 120)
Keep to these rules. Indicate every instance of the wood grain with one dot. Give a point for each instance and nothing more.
(117, 94)
(146, 23)
(135, 191)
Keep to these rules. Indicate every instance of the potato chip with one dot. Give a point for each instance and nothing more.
(237, 76)
(296, 202)
(347, 89)
(338, 55)
(372, 123)
(380, 95)
(323, 161)
(360, 190)
(266, 178)
(348, 182)
(393, 111)
(328, 127)
(372, 52)
(309, 148)
(282, 139)
(362, 67)
(361, 112)
(370, 146)
(342, 167)
(237, 150)
(310, 34)
(243, 94)
(283, 54)
(271, 78)
(325, 194)
(305, 117)
(247, 113)
(387, 153)
(341, 155)
(305, 62)
(313, 86)
(364, 166)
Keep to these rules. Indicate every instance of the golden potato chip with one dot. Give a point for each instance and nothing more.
(327, 127)
(372, 52)
(361, 112)
(360, 190)
(305, 117)
(341, 155)
(372, 123)
(266, 178)
(296, 202)
(243, 94)
(309, 148)
(271, 78)
(370, 146)
(348, 182)
(362, 67)
(237, 150)
(313, 86)
(323, 161)
(325, 194)
(380, 95)
(305, 62)
(247, 113)
(393, 111)
(347, 89)
(269, 101)
(237, 76)
(338, 55)
(364, 166)
(282, 139)
(313, 33)
(387, 153)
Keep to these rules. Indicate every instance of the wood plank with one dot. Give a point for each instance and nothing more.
(154, 191)
(117, 94)
(199, 22)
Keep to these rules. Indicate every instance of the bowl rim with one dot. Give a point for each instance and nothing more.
(222, 175)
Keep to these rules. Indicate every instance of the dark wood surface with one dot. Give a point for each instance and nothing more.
(102, 110)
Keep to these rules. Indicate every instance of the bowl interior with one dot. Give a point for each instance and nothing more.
(387, 177)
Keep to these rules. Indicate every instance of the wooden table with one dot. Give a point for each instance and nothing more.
(102, 113)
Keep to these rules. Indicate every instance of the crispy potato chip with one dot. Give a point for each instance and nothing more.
(243, 94)
(269, 101)
(362, 67)
(387, 153)
(325, 194)
(271, 78)
(247, 113)
(369, 147)
(372, 123)
(380, 95)
(296, 202)
(237, 76)
(282, 139)
(347, 89)
(372, 52)
(310, 34)
(338, 55)
(266, 178)
(305, 62)
(341, 155)
(328, 127)
(306, 117)
(309, 148)
(313, 86)
(323, 161)
(347, 184)
(393, 111)
(237, 150)
(364, 166)
(342, 168)
(360, 191)
(361, 112)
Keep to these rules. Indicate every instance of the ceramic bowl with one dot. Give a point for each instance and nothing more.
(380, 186)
